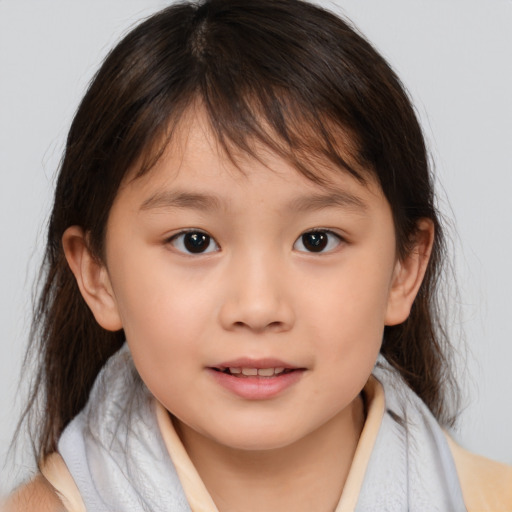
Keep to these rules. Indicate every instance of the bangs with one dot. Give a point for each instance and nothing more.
(284, 125)
(248, 122)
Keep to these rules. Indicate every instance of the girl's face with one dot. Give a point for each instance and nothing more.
(216, 275)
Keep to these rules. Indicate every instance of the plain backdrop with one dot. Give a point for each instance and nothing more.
(454, 56)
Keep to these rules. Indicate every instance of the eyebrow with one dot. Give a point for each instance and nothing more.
(200, 201)
(341, 199)
(179, 199)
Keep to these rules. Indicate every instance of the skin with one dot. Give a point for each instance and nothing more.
(255, 292)
(37, 496)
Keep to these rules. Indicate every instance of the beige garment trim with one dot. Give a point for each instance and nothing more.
(375, 404)
(197, 495)
(486, 484)
(54, 469)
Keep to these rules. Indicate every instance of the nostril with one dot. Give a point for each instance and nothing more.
(256, 315)
(272, 326)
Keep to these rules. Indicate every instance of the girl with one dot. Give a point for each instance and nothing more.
(239, 310)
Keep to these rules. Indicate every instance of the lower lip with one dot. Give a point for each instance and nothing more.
(257, 388)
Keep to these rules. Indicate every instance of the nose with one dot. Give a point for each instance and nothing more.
(257, 296)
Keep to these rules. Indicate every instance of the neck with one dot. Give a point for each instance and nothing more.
(306, 475)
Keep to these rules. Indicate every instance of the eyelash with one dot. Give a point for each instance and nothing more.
(320, 239)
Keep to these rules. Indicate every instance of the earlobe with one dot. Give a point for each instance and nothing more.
(92, 278)
(409, 273)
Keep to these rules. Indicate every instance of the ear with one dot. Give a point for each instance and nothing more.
(92, 278)
(408, 274)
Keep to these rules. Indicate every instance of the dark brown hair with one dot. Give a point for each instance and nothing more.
(282, 73)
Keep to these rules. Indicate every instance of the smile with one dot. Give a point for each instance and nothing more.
(253, 372)
(256, 379)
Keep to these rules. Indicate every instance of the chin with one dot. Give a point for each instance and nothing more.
(257, 437)
(257, 444)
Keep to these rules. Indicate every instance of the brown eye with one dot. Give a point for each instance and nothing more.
(194, 242)
(317, 241)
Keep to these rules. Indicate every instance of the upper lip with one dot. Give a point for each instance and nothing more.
(247, 362)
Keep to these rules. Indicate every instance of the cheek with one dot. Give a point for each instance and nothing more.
(152, 291)
(164, 314)
(353, 296)
(352, 307)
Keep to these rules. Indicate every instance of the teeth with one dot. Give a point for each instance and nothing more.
(266, 372)
(252, 372)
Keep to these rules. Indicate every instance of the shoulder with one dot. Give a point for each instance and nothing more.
(486, 484)
(38, 496)
(52, 490)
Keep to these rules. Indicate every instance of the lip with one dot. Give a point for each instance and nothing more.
(247, 362)
(256, 387)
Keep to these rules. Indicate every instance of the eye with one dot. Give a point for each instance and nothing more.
(194, 242)
(317, 241)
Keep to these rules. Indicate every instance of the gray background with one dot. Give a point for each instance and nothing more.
(455, 56)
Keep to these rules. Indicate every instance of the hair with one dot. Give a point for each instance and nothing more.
(282, 73)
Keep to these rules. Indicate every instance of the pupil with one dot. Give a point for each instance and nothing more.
(314, 242)
(196, 242)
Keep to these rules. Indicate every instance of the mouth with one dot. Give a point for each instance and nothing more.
(245, 372)
(256, 379)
